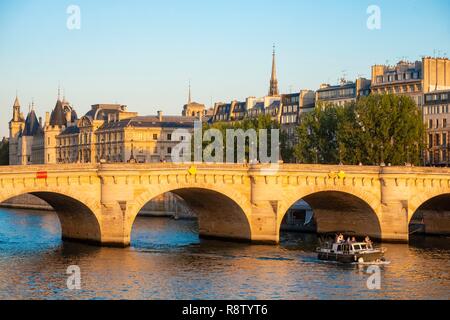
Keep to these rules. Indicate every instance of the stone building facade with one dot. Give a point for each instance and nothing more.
(345, 92)
(437, 121)
(107, 133)
(413, 79)
(294, 105)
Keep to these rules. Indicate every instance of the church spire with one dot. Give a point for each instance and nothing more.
(16, 101)
(189, 97)
(273, 90)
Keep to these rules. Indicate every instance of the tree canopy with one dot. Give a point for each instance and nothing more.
(4, 152)
(375, 129)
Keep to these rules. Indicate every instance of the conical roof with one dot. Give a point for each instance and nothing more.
(16, 102)
(32, 126)
(58, 117)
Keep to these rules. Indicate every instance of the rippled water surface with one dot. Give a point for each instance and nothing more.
(168, 261)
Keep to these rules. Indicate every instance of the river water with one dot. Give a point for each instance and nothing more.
(168, 261)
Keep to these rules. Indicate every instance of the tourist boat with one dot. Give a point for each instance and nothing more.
(354, 252)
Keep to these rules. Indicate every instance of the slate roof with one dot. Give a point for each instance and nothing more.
(152, 122)
(32, 126)
(58, 117)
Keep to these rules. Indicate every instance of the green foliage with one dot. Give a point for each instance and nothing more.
(377, 128)
(261, 122)
(4, 153)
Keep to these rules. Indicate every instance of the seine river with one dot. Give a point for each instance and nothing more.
(168, 261)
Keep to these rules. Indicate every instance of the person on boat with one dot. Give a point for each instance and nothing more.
(353, 239)
(368, 242)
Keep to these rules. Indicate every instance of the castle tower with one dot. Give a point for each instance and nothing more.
(31, 140)
(273, 90)
(54, 125)
(16, 126)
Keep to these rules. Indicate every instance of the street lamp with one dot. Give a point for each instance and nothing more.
(132, 159)
(102, 155)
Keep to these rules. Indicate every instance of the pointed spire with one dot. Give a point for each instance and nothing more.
(273, 90)
(16, 101)
(189, 97)
(59, 92)
(32, 104)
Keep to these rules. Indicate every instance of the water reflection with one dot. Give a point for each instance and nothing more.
(167, 260)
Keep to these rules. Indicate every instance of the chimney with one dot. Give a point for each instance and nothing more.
(160, 116)
(47, 118)
(68, 117)
(40, 122)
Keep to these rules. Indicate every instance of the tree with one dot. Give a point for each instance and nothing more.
(375, 129)
(257, 124)
(4, 152)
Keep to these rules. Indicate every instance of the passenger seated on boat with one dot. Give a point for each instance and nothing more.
(368, 242)
(353, 239)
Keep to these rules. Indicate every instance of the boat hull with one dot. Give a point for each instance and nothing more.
(351, 258)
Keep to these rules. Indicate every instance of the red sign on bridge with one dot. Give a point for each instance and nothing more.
(41, 175)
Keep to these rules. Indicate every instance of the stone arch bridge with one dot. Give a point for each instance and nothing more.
(99, 203)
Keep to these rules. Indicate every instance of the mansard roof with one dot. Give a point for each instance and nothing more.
(71, 130)
(152, 122)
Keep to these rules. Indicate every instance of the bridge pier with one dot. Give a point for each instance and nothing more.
(264, 222)
(394, 222)
(115, 224)
(394, 217)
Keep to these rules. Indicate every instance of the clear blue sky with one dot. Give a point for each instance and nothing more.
(143, 53)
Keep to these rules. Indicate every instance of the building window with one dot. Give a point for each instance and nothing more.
(169, 136)
(444, 123)
(155, 136)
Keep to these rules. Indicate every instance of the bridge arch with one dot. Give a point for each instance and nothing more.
(337, 210)
(79, 218)
(222, 213)
(429, 213)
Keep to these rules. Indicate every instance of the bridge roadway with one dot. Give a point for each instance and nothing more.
(99, 203)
